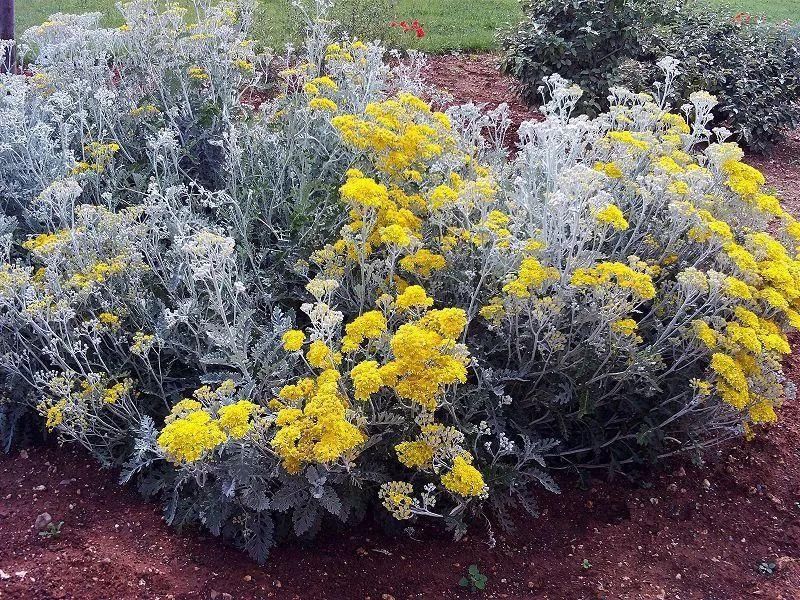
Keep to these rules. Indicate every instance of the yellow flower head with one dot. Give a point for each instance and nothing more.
(186, 439)
(235, 418)
(366, 379)
(293, 340)
(464, 479)
(612, 215)
(414, 296)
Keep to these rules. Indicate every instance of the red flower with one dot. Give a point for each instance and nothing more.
(414, 27)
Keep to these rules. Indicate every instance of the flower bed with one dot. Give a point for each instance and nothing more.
(349, 301)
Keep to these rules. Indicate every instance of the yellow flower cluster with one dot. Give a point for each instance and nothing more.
(424, 362)
(625, 326)
(402, 132)
(313, 426)
(366, 378)
(531, 275)
(98, 273)
(190, 432)
(746, 342)
(110, 320)
(316, 88)
(187, 438)
(636, 141)
(464, 479)
(198, 73)
(423, 262)
(414, 296)
(611, 169)
(116, 391)
(142, 342)
(46, 243)
(612, 215)
(346, 52)
(396, 498)
(53, 413)
(320, 356)
(369, 326)
(620, 274)
(434, 440)
(100, 155)
(293, 340)
(234, 419)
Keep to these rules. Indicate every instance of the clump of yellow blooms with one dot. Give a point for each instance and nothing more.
(402, 132)
(319, 355)
(293, 340)
(142, 342)
(414, 296)
(416, 454)
(45, 243)
(323, 104)
(424, 362)
(635, 141)
(99, 272)
(610, 168)
(366, 378)
(112, 394)
(531, 275)
(53, 413)
(99, 157)
(625, 326)
(368, 326)
(234, 419)
(110, 320)
(612, 215)
(765, 283)
(464, 479)
(396, 499)
(423, 262)
(616, 273)
(187, 438)
(191, 432)
(315, 429)
(198, 73)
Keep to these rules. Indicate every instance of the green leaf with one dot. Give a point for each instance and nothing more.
(473, 570)
(464, 582)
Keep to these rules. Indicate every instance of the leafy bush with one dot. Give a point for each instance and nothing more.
(752, 67)
(582, 40)
(274, 317)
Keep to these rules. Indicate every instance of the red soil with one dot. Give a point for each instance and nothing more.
(476, 78)
(688, 533)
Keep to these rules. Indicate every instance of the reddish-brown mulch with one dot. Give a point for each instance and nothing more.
(690, 533)
(476, 78)
(782, 168)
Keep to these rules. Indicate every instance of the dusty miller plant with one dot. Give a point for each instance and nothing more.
(277, 300)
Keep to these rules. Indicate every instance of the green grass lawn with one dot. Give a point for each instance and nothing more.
(449, 24)
(775, 10)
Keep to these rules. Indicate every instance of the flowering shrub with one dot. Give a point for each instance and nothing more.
(752, 67)
(347, 299)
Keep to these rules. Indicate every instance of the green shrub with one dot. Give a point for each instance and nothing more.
(582, 40)
(752, 67)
